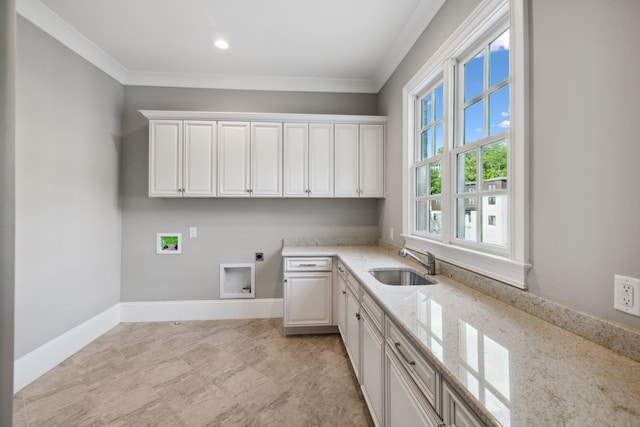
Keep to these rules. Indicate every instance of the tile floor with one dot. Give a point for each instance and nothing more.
(198, 373)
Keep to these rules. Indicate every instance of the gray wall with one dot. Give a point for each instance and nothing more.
(584, 145)
(229, 230)
(7, 219)
(68, 122)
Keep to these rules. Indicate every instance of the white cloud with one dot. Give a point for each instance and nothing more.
(504, 124)
(505, 114)
(501, 43)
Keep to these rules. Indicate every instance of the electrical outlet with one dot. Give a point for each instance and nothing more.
(193, 232)
(627, 295)
(391, 233)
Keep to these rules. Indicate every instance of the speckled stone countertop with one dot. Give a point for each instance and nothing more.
(512, 368)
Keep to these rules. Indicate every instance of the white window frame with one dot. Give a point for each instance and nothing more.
(511, 266)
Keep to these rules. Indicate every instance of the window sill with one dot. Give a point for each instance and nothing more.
(503, 269)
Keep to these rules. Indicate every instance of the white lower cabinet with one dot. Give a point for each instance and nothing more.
(405, 406)
(341, 302)
(455, 411)
(307, 293)
(352, 342)
(373, 368)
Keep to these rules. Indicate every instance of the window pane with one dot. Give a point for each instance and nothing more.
(439, 107)
(499, 111)
(499, 59)
(466, 214)
(435, 217)
(426, 144)
(438, 139)
(421, 216)
(494, 220)
(474, 77)
(421, 181)
(494, 166)
(435, 180)
(474, 122)
(427, 111)
(467, 172)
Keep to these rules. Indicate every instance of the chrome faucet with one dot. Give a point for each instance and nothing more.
(430, 265)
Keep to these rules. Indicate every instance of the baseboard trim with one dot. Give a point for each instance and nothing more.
(44, 358)
(159, 311)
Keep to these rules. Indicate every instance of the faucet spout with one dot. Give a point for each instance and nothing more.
(430, 265)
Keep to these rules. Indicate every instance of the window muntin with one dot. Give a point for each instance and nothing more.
(427, 161)
(482, 152)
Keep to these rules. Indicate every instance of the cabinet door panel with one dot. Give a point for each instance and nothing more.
(404, 407)
(320, 174)
(346, 160)
(200, 158)
(165, 158)
(234, 156)
(371, 160)
(372, 367)
(266, 159)
(455, 411)
(341, 307)
(353, 331)
(296, 136)
(308, 299)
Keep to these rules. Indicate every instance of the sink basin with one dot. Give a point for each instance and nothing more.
(401, 277)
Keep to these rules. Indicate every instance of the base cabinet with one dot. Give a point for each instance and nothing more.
(373, 368)
(454, 411)
(341, 303)
(405, 405)
(352, 343)
(308, 297)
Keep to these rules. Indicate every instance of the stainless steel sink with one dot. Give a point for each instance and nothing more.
(401, 277)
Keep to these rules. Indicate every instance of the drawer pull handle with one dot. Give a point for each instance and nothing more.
(307, 265)
(358, 316)
(404, 356)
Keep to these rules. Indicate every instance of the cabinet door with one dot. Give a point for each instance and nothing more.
(372, 368)
(455, 412)
(404, 406)
(371, 176)
(341, 307)
(352, 343)
(296, 155)
(320, 174)
(266, 159)
(234, 156)
(307, 299)
(165, 158)
(200, 158)
(346, 160)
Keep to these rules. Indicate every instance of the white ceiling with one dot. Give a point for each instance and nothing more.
(300, 45)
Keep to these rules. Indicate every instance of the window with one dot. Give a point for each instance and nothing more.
(467, 191)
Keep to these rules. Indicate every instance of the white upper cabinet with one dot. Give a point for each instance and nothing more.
(182, 158)
(234, 159)
(308, 160)
(200, 152)
(217, 154)
(359, 160)
(266, 160)
(371, 161)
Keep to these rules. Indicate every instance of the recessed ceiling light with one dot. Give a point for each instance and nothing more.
(221, 44)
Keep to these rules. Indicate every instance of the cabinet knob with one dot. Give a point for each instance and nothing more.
(344, 292)
(358, 316)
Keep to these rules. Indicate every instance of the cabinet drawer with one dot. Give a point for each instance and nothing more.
(307, 264)
(455, 411)
(353, 285)
(373, 309)
(420, 370)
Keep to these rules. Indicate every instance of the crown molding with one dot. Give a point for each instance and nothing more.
(244, 82)
(45, 19)
(48, 21)
(420, 19)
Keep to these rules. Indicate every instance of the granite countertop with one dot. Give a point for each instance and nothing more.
(512, 368)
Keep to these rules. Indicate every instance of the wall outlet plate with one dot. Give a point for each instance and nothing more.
(626, 294)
